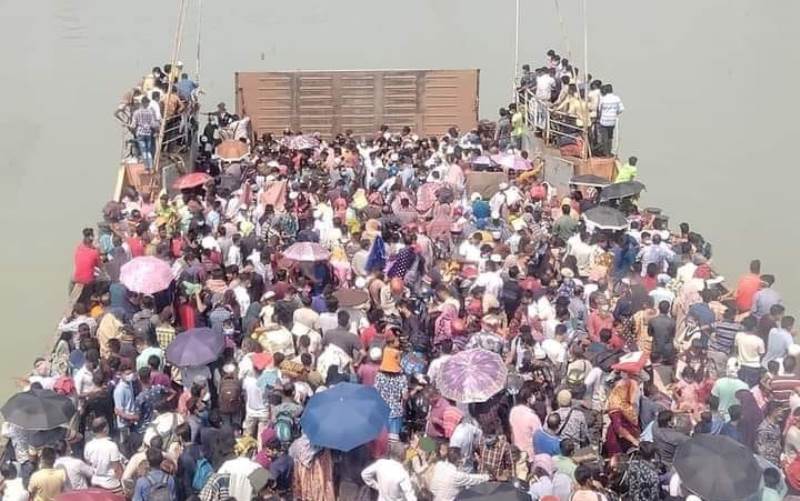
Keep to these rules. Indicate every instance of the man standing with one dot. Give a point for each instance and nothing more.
(156, 484)
(609, 110)
(517, 127)
(390, 478)
(628, 171)
(47, 482)
(86, 259)
(102, 454)
(143, 124)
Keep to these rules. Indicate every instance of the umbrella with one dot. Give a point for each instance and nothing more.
(303, 143)
(472, 376)
(344, 416)
(306, 251)
(482, 160)
(606, 218)
(89, 495)
(192, 180)
(494, 491)
(232, 150)
(41, 438)
(621, 190)
(589, 180)
(351, 297)
(717, 468)
(504, 159)
(195, 347)
(38, 410)
(146, 275)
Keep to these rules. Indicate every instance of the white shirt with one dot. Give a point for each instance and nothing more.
(156, 109)
(447, 481)
(234, 256)
(749, 348)
(610, 109)
(491, 282)
(556, 351)
(544, 86)
(469, 251)
(390, 479)
(254, 401)
(240, 470)
(100, 453)
(83, 381)
(77, 472)
(583, 255)
(14, 491)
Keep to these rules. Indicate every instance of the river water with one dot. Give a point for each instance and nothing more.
(709, 88)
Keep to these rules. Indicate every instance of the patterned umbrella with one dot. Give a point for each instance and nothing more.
(303, 143)
(192, 180)
(472, 376)
(306, 251)
(146, 275)
(195, 347)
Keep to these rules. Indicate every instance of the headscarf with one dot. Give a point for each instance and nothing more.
(443, 324)
(377, 255)
(621, 398)
(751, 417)
(403, 262)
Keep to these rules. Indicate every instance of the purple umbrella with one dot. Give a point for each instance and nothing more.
(472, 376)
(195, 347)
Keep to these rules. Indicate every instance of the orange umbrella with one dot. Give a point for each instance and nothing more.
(192, 180)
(231, 150)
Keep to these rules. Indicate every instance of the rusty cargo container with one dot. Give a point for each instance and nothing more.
(330, 102)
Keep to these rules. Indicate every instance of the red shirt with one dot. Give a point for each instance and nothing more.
(649, 283)
(745, 290)
(367, 335)
(136, 246)
(597, 323)
(187, 315)
(87, 258)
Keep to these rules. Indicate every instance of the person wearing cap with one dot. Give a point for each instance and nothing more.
(368, 369)
(256, 415)
(573, 422)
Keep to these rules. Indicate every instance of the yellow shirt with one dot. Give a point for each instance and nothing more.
(626, 173)
(47, 483)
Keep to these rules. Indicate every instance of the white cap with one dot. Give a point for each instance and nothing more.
(495, 214)
(475, 196)
(503, 186)
(496, 258)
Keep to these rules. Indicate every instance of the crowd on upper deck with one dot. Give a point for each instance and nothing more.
(399, 317)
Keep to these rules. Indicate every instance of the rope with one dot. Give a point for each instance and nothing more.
(563, 31)
(176, 47)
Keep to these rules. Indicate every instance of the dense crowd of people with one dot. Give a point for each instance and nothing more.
(619, 346)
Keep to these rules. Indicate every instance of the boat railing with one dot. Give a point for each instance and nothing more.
(540, 116)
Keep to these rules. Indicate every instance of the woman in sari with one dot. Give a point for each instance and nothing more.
(623, 428)
(444, 323)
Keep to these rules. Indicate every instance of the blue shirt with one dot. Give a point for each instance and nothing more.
(141, 492)
(702, 313)
(545, 443)
(124, 401)
(185, 88)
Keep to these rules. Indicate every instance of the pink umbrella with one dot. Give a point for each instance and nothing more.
(504, 159)
(472, 376)
(146, 275)
(89, 495)
(306, 251)
(192, 180)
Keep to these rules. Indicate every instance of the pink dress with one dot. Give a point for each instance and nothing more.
(524, 423)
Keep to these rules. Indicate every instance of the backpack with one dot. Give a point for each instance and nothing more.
(285, 427)
(202, 472)
(159, 490)
(230, 395)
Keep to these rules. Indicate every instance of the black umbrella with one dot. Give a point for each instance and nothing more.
(717, 468)
(495, 491)
(589, 180)
(621, 190)
(38, 410)
(606, 218)
(42, 438)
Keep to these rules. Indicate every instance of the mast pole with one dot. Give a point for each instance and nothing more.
(516, 49)
(586, 148)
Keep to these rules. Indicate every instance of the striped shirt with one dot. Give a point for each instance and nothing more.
(610, 108)
(724, 336)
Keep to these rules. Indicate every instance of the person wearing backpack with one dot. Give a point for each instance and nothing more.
(156, 485)
(230, 396)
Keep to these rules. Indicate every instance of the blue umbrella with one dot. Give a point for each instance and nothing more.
(195, 347)
(345, 416)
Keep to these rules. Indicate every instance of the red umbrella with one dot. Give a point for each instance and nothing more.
(192, 180)
(306, 251)
(146, 275)
(89, 495)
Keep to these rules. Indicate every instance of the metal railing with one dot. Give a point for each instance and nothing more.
(540, 116)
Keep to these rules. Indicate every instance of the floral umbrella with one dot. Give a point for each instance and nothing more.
(472, 376)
